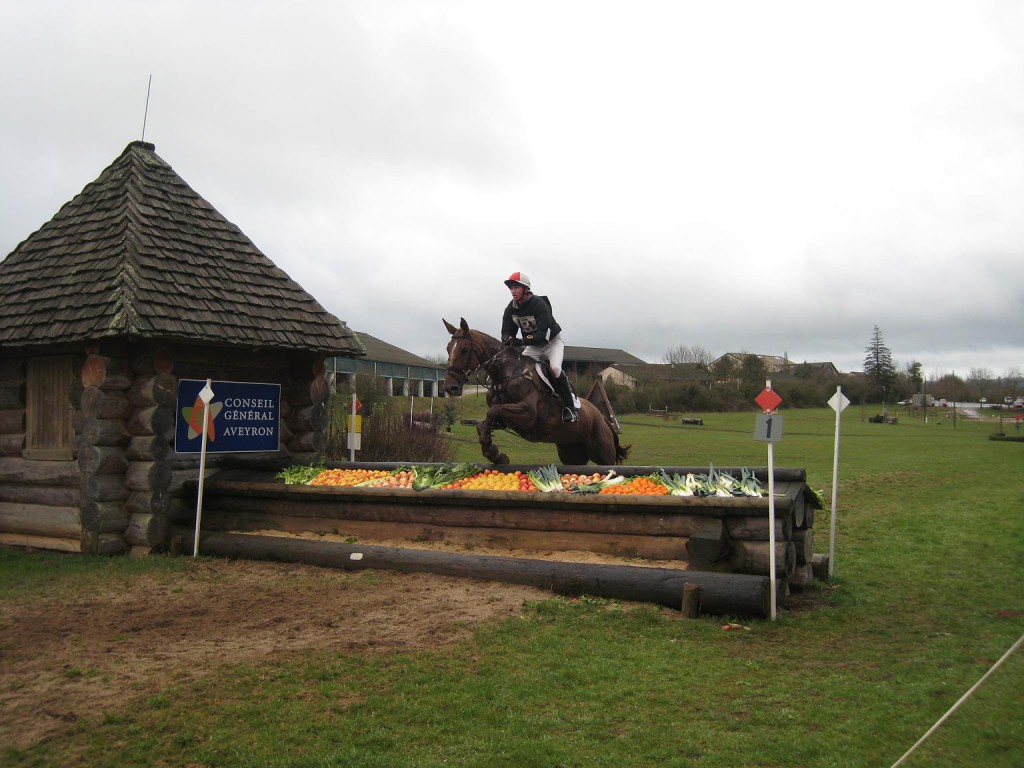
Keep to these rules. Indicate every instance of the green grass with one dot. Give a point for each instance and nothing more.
(929, 593)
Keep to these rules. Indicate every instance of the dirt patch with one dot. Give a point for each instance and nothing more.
(66, 659)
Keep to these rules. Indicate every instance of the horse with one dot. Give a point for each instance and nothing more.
(519, 402)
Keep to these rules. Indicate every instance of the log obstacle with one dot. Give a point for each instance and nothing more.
(720, 593)
(697, 538)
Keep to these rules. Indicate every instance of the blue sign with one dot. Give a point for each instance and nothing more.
(242, 417)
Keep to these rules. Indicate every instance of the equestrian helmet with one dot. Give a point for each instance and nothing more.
(518, 278)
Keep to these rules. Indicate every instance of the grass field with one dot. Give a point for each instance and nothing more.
(928, 594)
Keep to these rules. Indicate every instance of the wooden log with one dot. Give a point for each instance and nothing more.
(190, 475)
(112, 517)
(12, 369)
(808, 517)
(804, 542)
(148, 503)
(100, 488)
(12, 421)
(147, 476)
(691, 600)
(754, 557)
(110, 544)
(73, 544)
(710, 544)
(619, 545)
(802, 576)
(106, 372)
(102, 460)
(12, 397)
(147, 531)
(484, 509)
(819, 564)
(12, 445)
(154, 420)
(109, 432)
(53, 496)
(148, 448)
(57, 473)
(105, 404)
(40, 520)
(757, 529)
(157, 389)
(180, 512)
(721, 593)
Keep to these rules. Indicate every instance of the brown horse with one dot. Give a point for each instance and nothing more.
(517, 401)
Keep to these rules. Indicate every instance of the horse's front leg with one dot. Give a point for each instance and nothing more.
(484, 430)
(514, 415)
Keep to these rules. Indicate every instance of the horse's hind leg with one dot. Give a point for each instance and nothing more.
(572, 454)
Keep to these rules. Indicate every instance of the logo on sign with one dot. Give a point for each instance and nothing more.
(241, 417)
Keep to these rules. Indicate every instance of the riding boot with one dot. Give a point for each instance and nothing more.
(565, 394)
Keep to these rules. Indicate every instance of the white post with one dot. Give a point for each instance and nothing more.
(206, 395)
(838, 403)
(835, 489)
(771, 520)
(412, 401)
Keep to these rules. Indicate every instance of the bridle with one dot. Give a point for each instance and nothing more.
(462, 374)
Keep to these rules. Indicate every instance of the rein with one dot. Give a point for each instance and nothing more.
(465, 373)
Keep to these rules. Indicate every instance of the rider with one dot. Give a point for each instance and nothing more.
(532, 315)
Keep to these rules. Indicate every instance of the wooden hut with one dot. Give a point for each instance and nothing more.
(134, 285)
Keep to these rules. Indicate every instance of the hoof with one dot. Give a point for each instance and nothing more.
(502, 459)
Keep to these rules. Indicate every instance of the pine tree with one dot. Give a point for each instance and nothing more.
(878, 365)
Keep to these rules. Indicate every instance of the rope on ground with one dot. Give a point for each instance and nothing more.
(962, 699)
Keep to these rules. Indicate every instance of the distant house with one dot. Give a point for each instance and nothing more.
(590, 361)
(403, 372)
(775, 365)
(134, 285)
(634, 376)
(772, 363)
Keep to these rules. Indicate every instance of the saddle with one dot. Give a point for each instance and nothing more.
(545, 379)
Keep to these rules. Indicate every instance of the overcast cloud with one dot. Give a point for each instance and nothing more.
(776, 178)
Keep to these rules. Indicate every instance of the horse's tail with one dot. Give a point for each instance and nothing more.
(620, 452)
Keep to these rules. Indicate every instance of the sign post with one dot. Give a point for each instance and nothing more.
(769, 429)
(838, 403)
(246, 417)
(205, 395)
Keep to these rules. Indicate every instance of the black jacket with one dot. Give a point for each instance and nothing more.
(533, 317)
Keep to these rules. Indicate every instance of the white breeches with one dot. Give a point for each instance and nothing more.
(552, 351)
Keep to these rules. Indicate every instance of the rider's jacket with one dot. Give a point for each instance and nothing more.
(533, 318)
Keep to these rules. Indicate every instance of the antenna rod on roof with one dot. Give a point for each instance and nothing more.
(145, 114)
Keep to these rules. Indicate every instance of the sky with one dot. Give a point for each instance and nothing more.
(764, 177)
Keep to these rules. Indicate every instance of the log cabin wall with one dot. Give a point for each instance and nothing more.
(39, 500)
(156, 475)
(122, 488)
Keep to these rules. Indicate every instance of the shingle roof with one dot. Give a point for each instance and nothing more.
(137, 253)
(381, 351)
(599, 355)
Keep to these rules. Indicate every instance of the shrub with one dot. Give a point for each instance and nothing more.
(388, 435)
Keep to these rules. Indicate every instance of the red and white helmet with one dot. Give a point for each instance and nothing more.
(518, 278)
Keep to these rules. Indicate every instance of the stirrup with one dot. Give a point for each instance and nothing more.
(569, 416)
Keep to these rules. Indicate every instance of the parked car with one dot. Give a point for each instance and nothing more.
(903, 402)
(1008, 400)
(1018, 403)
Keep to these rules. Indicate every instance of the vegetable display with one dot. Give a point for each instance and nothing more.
(469, 477)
